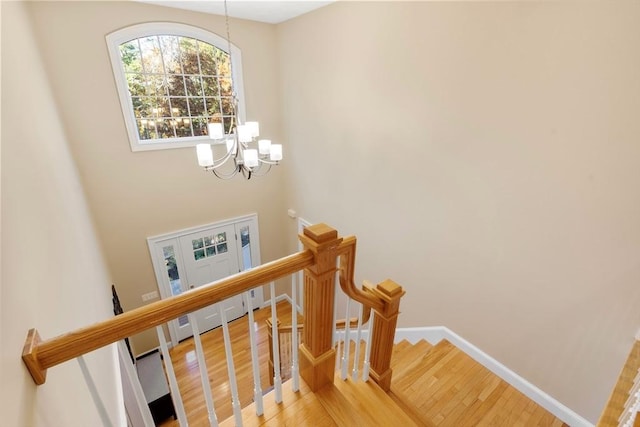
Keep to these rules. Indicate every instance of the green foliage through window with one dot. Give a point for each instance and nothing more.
(177, 85)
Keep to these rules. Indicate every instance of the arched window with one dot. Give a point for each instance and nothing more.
(172, 80)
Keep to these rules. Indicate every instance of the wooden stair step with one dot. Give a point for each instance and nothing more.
(407, 355)
(302, 408)
(446, 387)
(361, 404)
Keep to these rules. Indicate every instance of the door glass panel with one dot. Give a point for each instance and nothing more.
(246, 248)
(222, 248)
(197, 244)
(174, 277)
(199, 254)
(211, 250)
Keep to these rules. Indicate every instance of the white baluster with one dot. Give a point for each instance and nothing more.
(231, 370)
(356, 354)
(345, 350)
(140, 414)
(257, 389)
(334, 328)
(102, 411)
(295, 374)
(173, 383)
(367, 352)
(277, 378)
(204, 375)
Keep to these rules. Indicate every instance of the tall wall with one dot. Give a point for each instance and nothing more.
(53, 274)
(486, 155)
(136, 195)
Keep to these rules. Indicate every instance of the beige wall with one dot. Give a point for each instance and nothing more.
(136, 195)
(53, 275)
(486, 154)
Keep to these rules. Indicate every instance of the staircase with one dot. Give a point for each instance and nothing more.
(432, 386)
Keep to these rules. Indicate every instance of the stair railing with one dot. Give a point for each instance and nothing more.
(322, 247)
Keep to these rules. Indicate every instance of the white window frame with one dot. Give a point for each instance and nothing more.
(116, 38)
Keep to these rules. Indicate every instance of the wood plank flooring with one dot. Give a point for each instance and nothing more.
(452, 391)
(620, 393)
(445, 387)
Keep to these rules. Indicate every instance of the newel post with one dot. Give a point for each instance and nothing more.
(384, 329)
(317, 355)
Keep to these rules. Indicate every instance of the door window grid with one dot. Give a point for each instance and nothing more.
(209, 246)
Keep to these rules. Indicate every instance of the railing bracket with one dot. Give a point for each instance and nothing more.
(30, 358)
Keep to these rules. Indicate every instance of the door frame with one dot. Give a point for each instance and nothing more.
(173, 237)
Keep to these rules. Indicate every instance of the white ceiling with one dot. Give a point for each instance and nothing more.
(272, 12)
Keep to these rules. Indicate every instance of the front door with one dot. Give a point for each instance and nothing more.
(186, 259)
(208, 256)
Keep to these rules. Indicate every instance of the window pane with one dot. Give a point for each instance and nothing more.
(207, 60)
(199, 254)
(222, 63)
(137, 84)
(151, 56)
(130, 55)
(211, 251)
(197, 243)
(189, 55)
(199, 127)
(171, 54)
(246, 248)
(225, 87)
(222, 248)
(193, 85)
(175, 85)
(196, 107)
(221, 237)
(210, 85)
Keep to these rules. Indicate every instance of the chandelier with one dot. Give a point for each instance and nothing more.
(244, 153)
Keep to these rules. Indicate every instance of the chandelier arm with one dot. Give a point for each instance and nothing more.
(258, 170)
(269, 162)
(224, 176)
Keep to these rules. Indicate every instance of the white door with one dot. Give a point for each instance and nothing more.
(201, 255)
(208, 256)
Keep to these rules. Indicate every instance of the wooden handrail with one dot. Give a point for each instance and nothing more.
(40, 355)
(347, 253)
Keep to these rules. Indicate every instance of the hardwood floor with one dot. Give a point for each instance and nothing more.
(187, 371)
(443, 386)
(431, 387)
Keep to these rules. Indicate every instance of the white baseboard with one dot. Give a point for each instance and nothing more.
(437, 333)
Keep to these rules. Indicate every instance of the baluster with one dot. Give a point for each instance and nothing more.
(334, 326)
(204, 375)
(257, 389)
(347, 342)
(367, 353)
(356, 353)
(295, 373)
(173, 383)
(231, 370)
(102, 411)
(133, 392)
(277, 378)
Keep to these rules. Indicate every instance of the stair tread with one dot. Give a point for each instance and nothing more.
(361, 404)
(408, 355)
(302, 408)
(446, 387)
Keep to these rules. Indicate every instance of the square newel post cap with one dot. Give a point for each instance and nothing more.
(390, 289)
(319, 237)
